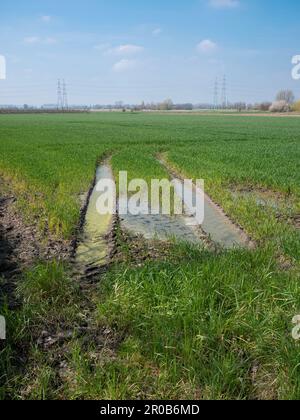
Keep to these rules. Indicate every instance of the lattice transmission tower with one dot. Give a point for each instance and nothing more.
(224, 99)
(216, 94)
(59, 95)
(65, 96)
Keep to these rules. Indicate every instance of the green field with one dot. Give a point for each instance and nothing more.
(194, 324)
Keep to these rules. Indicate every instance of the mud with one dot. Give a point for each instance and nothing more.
(20, 245)
(296, 221)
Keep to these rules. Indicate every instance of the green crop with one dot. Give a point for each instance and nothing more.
(199, 325)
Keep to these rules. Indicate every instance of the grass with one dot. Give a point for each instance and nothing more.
(207, 322)
(61, 152)
(197, 325)
(48, 301)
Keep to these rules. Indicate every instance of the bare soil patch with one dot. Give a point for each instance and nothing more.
(20, 245)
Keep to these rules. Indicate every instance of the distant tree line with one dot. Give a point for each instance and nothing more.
(284, 102)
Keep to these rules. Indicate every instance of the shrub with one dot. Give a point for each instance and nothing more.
(296, 106)
(280, 106)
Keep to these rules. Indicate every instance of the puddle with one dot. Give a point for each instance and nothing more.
(162, 227)
(93, 249)
(220, 228)
(216, 225)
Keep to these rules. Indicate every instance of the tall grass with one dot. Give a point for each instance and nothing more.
(220, 324)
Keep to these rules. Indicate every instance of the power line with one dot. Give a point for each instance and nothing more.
(65, 96)
(224, 99)
(216, 94)
(59, 96)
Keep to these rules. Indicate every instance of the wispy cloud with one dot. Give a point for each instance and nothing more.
(126, 50)
(224, 4)
(124, 65)
(206, 46)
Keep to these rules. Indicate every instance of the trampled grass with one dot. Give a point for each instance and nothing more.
(199, 325)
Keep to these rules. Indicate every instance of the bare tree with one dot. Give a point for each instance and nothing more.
(167, 105)
(286, 95)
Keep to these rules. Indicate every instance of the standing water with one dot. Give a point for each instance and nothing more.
(93, 249)
(162, 227)
(216, 225)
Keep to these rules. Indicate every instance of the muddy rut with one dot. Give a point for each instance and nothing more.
(94, 246)
(95, 241)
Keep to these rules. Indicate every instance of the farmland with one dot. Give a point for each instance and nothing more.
(186, 322)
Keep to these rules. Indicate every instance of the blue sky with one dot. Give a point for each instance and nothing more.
(133, 50)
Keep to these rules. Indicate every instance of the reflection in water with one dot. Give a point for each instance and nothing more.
(161, 227)
(93, 249)
(216, 224)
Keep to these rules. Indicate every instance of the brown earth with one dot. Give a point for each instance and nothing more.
(20, 245)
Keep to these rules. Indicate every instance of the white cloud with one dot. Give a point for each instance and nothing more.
(224, 4)
(126, 50)
(157, 32)
(206, 46)
(124, 65)
(46, 18)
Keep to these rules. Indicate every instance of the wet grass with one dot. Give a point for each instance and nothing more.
(194, 325)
